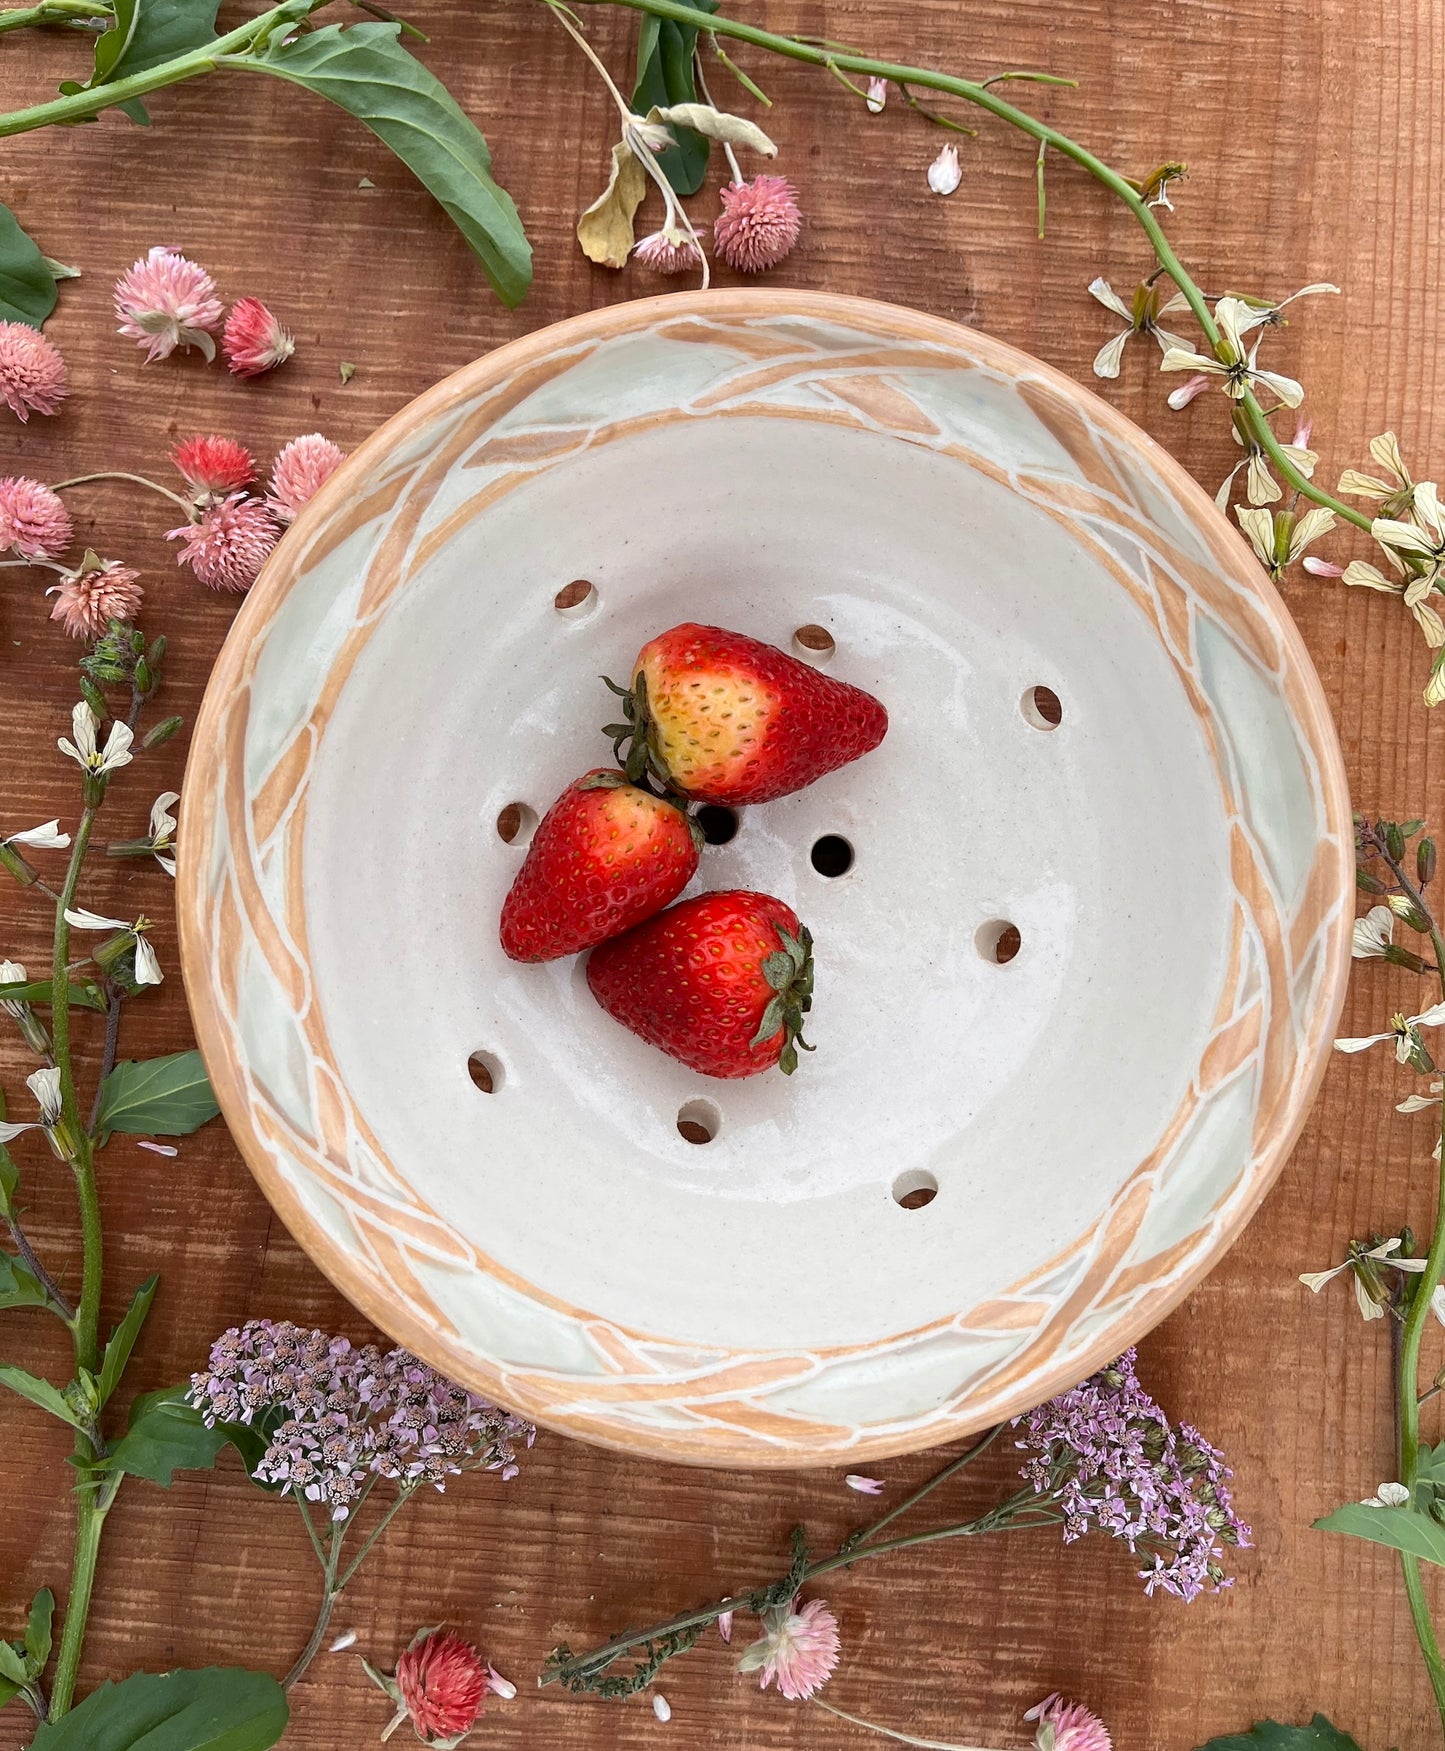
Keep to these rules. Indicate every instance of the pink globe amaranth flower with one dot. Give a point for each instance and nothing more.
(165, 302)
(33, 522)
(440, 1685)
(669, 252)
(299, 471)
(95, 593)
(32, 372)
(228, 543)
(214, 465)
(759, 223)
(254, 341)
(1075, 1728)
(798, 1648)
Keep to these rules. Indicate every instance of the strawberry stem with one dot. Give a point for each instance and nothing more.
(789, 973)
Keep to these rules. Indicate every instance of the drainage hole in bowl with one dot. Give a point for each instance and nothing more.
(914, 1189)
(831, 855)
(516, 823)
(576, 600)
(998, 941)
(814, 644)
(1042, 707)
(486, 1071)
(718, 824)
(698, 1121)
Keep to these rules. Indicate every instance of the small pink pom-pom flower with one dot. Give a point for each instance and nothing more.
(1075, 1728)
(669, 252)
(33, 522)
(759, 223)
(298, 472)
(214, 465)
(165, 302)
(32, 372)
(254, 341)
(798, 1648)
(440, 1685)
(228, 544)
(95, 593)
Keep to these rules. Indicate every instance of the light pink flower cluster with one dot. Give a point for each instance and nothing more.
(167, 301)
(32, 372)
(230, 534)
(34, 524)
(95, 593)
(1068, 1726)
(759, 223)
(798, 1647)
(334, 1415)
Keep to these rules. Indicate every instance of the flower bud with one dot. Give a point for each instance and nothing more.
(1425, 861)
(156, 655)
(161, 732)
(1394, 839)
(17, 865)
(93, 697)
(1367, 883)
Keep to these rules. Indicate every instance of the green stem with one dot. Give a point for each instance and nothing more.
(84, 104)
(55, 12)
(331, 1592)
(836, 60)
(939, 1477)
(135, 480)
(1000, 1519)
(404, 1495)
(89, 1523)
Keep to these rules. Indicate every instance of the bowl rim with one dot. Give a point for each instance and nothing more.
(375, 1299)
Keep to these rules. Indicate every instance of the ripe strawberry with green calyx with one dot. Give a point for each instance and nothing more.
(606, 855)
(721, 982)
(723, 718)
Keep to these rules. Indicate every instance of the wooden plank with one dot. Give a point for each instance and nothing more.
(1319, 151)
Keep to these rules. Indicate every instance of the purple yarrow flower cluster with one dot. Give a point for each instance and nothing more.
(338, 1416)
(1106, 1453)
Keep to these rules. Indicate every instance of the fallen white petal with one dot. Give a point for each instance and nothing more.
(877, 95)
(661, 1707)
(500, 1686)
(865, 1486)
(170, 1149)
(944, 174)
(347, 1638)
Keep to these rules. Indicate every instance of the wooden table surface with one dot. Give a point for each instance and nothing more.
(1318, 142)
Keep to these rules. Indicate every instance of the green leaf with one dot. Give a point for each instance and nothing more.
(12, 1665)
(27, 288)
(17, 1287)
(38, 1391)
(148, 32)
(218, 1709)
(165, 1435)
(87, 996)
(1319, 1735)
(37, 1630)
(364, 69)
(122, 1339)
(1400, 1528)
(664, 77)
(158, 1097)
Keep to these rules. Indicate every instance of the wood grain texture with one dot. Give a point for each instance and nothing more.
(1319, 151)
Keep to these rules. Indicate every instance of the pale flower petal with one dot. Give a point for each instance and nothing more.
(10, 1131)
(1290, 392)
(1360, 571)
(83, 920)
(1361, 1045)
(877, 95)
(1260, 485)
(1181, 397)
(1368, 1309)
(163, 822)
(1389, 1495)
(46, 837)
(1101, 289)
(1110, 356)
(945, 174)
(865, 1486)
(45, 1086)
(147, 967)
(1373, 933)
(1258, 525)
(1180, 359)
(1314, 1281)
(117, 748)
(661, 1707)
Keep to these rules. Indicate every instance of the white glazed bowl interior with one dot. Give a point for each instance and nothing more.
(1095, 1117)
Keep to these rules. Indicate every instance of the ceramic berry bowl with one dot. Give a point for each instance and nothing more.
(1081, 921)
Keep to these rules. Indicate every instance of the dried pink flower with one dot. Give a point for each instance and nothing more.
(725, 1625)
(670, 251)
(95, 593)
(33, 522)
(798, 1648)
(32, 372)
(759, 223)
(228, 543)
(254, 340)
(165, 302)
(1075, 1728)
(299, 471)
(440, 1685)
(214, 465)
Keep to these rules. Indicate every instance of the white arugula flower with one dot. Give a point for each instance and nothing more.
(84, 750)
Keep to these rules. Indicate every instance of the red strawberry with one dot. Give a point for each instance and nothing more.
(726, 719)
(605, 856)
(721, 982)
